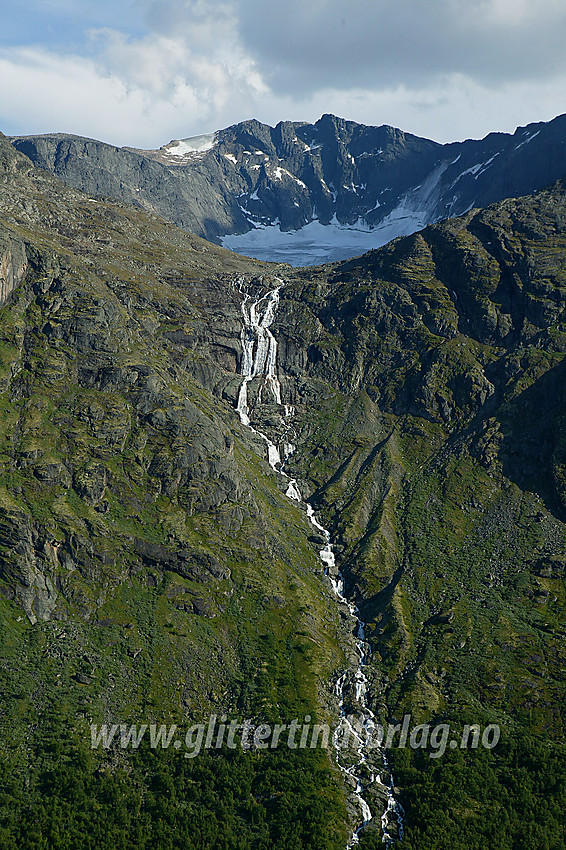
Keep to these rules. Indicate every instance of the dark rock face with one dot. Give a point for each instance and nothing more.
(13, 266)
(332, 171)
(25, 566)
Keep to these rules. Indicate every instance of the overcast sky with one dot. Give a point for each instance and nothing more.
(142, 72)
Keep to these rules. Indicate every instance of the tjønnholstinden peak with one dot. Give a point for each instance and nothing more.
(309, 193)
(153, 568)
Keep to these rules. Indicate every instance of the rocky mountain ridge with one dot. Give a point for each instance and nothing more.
(246, 185)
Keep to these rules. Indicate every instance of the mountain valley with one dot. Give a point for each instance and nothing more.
(153, 567)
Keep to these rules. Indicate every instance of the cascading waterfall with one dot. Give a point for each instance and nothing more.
(259, 356)
(366, 718)
(259, 360)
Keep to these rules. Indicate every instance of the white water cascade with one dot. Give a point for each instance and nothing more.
(359, 773)
(259, 360)
(259, 350)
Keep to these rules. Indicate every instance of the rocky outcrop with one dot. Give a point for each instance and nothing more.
(13, 265)
(198, 202)
(23, 568)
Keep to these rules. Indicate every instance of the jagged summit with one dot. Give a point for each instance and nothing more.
(307, 193)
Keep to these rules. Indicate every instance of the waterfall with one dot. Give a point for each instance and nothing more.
(259, 360)
(259, 357)
(367, 717)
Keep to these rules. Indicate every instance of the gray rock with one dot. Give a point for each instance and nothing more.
(13, 265)
(294, 172)
(22, 567)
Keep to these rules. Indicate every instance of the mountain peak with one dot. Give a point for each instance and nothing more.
(307, 192)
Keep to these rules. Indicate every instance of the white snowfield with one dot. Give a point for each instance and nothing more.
(317, 243)
(195, 144)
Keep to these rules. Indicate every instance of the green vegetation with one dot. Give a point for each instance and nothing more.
(157, 799)
(152, 570)
(511, 797)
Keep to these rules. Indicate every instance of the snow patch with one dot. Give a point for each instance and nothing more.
(279, 172)
(317, 243)
(330, 189)
(192, 145)
(476, 169)
(473, 170)
(369, 153)
(486, 165)
(527, 140)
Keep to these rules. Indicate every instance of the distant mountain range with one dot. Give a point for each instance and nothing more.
(307, 193)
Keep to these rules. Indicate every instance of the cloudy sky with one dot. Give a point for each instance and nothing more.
(142, 72)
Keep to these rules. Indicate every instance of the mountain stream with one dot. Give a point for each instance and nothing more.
(259, 361)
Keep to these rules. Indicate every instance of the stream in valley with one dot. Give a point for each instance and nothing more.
(259, 361)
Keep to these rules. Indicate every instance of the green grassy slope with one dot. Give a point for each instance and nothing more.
(151, 571)
(434, 435)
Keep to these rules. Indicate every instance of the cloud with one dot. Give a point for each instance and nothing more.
(454, 109)
(134, 91)
(162, 69)
(402, 42)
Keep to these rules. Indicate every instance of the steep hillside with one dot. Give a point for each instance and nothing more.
(433, 431)
(151, 571)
